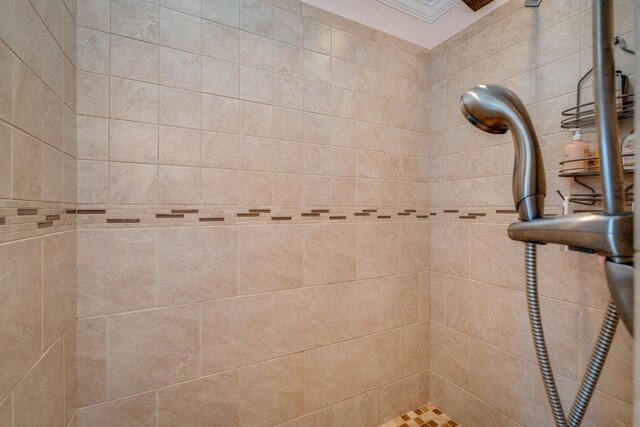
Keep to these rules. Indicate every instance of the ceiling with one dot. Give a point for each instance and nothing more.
(426, 23)
(426, 10)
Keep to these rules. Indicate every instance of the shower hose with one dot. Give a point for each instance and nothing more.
(598, 356)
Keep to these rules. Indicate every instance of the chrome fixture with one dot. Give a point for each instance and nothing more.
(618, 40)
(532, 3)
(495, 109)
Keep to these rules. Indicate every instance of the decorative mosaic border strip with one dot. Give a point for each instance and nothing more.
(208, 215)
(427, 416)
(20, 220)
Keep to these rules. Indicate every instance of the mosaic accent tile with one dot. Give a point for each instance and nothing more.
(427, 416)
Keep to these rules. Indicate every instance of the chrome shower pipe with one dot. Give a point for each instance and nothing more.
(605, 106)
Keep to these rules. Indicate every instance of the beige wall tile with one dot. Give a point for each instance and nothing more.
(343, 73)
(27, 99)
(133, 183)
(450, 248)
(221, 150)
(450, 354)
(196, 264)
(21, 310)
(378, 359)
(355, 309)
(518, 58)
(180, 31)
(403, 396)
(27, 166)
(53, 120)
(133, 59)
(179, 146)
(287, 27)
(179, 107)
(28, 35)
(330, 374)
(317, 36)
(270, 258)
(256, 188)
(256, 51)
(256, 153)
(151, 349)
(517, 27)
(91, 356)
(93, 94)
(556, 78)
(6, 168)
(473, 308)
(136, 410)
(287, 189)
(414, 246)
(220, 114)
(256, 17)
(315, 419)
(398, 300)
(414, 348)
(287, 91)
(271, 392)
(93, 182)
(132, 100)
(504, 381)
(223, 11)
(187, 6)
(133, 142)
(180, 69)
(562, 343)
(256, 119)
(220, 77)
(6, 88)
(343, 44)
(302, 319)
(360, 411)
(288, 124)
(219, 187)
(136, 19)
(288, 60)
(329, 253)
(178, 184)
(236, 332)
(122, 278)
(255, 85)
(466, 408)
(58, 285)
(93, 50)
(574, 277)
(377, 252)
(39, 398)
(424, 296)
(6, 412)
(201, 402)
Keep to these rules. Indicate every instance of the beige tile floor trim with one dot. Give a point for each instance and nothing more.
(427, 415)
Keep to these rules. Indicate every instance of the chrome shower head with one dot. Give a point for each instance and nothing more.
(495, 109)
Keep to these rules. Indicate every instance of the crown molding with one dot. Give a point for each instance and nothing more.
(425, 10)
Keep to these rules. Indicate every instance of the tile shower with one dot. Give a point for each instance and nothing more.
(266, 214)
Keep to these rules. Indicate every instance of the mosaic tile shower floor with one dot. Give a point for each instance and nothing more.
(427, 416)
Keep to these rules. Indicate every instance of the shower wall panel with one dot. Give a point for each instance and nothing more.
(37, 212)
(253, 243)
(483, 366)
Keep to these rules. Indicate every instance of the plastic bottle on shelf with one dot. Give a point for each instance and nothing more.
(629, 151)
(576, 153)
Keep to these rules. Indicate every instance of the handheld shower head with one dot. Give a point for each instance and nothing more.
(495, 109)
